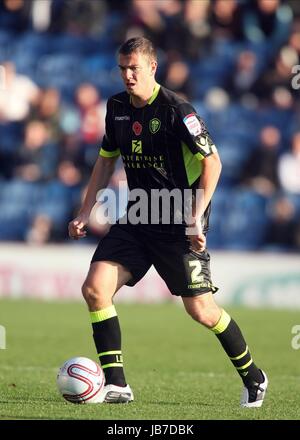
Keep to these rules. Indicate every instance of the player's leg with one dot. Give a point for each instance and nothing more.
(203, 309)
(118, 260)
(187, 274)
(103, 280)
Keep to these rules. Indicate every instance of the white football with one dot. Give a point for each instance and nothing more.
(80, 380)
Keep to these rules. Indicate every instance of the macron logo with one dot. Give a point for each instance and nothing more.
(122, 118)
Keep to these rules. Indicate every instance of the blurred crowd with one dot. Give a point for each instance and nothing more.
(237, 61)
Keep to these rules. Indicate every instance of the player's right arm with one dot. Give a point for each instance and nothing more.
(102, 172)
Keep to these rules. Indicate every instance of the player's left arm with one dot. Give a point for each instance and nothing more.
(211, 170)
(196, 136)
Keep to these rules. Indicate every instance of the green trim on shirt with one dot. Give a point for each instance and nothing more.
(105, 153)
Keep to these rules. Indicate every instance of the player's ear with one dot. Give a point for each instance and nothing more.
(153, 67)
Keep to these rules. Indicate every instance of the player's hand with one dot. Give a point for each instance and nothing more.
(196, 238)
(77, 226)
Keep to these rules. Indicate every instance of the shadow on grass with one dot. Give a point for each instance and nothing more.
(181, 403)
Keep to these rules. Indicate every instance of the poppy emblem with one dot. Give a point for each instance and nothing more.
(137, 128)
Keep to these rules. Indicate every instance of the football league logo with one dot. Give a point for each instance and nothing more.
(154, 125)
(192, 124)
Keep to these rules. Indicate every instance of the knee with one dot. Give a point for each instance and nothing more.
(90, 292)
(205, 316)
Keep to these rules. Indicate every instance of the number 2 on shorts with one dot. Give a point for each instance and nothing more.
(195, 275)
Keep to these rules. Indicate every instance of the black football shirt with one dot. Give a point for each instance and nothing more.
(161, 144)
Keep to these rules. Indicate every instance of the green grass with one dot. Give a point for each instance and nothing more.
(177, 369)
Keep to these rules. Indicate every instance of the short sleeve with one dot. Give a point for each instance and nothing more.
(109, 146)
(193, 131)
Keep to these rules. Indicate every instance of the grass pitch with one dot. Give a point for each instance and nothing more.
(177, 369)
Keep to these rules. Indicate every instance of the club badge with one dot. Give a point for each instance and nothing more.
(154, 125)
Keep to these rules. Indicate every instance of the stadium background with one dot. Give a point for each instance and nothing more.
(234, 61)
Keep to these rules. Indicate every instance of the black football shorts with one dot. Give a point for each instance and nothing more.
(186, 273)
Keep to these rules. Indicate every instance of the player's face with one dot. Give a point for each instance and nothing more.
(137, 72)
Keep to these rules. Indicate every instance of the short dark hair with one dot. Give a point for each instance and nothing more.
(138, 44)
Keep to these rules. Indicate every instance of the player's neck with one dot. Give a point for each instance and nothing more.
(142, 101)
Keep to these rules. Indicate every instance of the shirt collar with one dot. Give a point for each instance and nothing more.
(154, 94)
